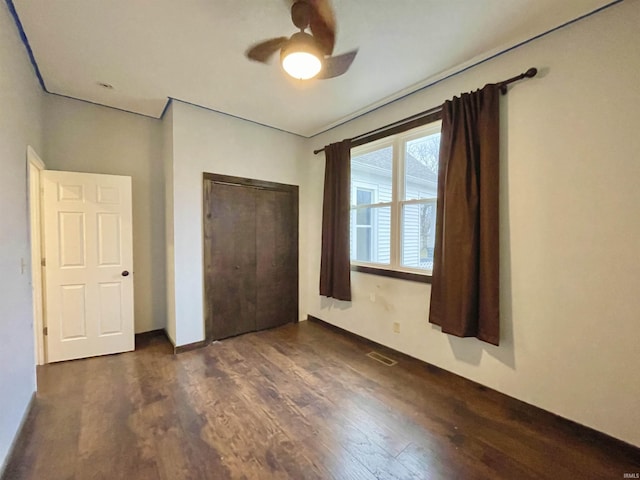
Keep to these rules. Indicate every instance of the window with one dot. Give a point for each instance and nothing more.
(393, 202)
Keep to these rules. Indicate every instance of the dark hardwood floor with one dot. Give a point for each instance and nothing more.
(300, 402)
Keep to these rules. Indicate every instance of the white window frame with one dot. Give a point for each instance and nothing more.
(398, 143)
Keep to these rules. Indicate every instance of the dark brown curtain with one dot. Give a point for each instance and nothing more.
(335, 262)
(464, 290)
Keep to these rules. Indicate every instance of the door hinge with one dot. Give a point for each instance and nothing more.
(45, 330)
(43, 262)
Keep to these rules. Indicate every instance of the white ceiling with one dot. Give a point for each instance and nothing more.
(193, 50)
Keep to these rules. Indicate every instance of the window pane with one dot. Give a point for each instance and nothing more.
(371, 242)
(418, 234)
(421, 167)
(363, 217)
(373, 169)
(364, 197)
(363, 245)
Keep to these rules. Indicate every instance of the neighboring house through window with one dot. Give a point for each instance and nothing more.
(363, 232)
(393, 201)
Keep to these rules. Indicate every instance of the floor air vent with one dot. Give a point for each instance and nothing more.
(381, 358)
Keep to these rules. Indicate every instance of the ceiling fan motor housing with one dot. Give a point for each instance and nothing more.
(301, 14)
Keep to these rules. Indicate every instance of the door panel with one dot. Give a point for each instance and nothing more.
(88, 245)
(277, 259)
(71, 239)
(108, 239)
(73, 309)
(110, 308)
(230, 260)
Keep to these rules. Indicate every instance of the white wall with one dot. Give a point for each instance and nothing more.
(570, 231)
(83, 137)
(20, 125)
(205, 141)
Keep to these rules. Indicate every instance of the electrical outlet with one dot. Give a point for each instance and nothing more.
(396, 327)
(372, 297)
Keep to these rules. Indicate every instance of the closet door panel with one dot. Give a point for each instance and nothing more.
(277, 258)
(229, 259)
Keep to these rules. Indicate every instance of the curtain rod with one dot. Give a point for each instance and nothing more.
(381, 131)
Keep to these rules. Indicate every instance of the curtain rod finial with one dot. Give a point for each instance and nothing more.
(532, 72)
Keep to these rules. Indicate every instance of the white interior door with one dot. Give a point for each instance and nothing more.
(88, 264)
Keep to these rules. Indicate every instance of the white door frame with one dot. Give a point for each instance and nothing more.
(34, 166)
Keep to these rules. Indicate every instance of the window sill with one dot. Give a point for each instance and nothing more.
(414, 277)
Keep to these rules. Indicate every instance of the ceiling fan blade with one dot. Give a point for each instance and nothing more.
(262, 51)
(323, 25)
(336, 66)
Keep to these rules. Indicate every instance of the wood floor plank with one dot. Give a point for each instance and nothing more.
(298, 402)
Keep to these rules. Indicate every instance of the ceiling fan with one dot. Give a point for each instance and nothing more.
(303, 55)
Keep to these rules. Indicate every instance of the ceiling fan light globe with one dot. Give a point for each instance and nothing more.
(301, 65)
(300, 57)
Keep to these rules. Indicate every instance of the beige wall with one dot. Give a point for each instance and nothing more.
(205, 141)
(167, 168)
(570, 231)
(20, 125)
(83, 137)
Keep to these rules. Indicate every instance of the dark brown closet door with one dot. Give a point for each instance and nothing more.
(277, 258)
(229, 259)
